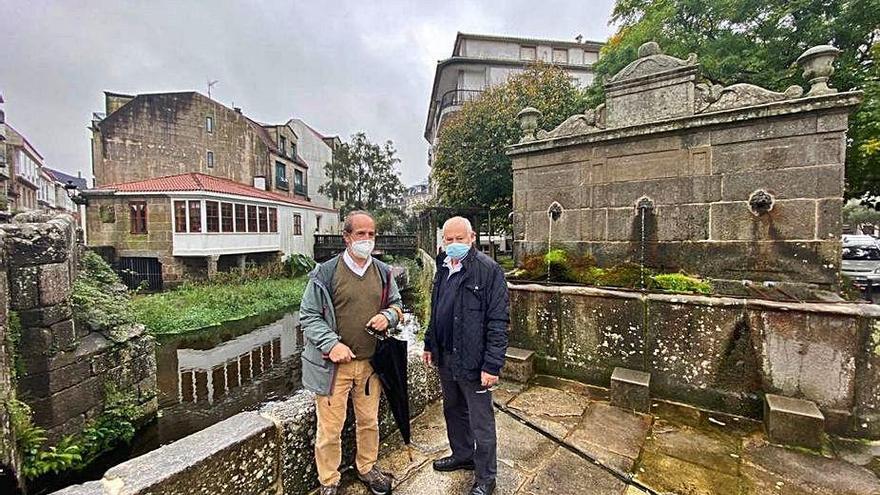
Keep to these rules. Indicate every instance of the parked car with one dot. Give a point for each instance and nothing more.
(861, 260)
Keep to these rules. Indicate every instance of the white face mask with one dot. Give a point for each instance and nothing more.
(362, 249)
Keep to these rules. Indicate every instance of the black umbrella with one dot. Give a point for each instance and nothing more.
(390, 364)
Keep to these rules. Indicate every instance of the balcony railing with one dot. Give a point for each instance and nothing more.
(457, 97)
(300, 189)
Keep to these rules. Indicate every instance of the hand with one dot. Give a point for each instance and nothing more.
(487, 380)
(378, 323)
(428, 358)
(341, 353)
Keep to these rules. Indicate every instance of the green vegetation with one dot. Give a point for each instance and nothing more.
(757, 42)
(114, 426)
(856, 214)
(299, 264)
(365, 177)
(566, 267)
(13, 339)
(471, 167)
(679, 282)
(100, 301)
(196, 306)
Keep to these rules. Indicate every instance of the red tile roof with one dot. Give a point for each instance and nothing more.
(194, 181)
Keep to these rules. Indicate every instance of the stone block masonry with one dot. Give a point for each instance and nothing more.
(701, 155)
(719, 353)
(68, 369)
(270, 452)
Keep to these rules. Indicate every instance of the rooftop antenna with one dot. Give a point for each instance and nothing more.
(211, 85)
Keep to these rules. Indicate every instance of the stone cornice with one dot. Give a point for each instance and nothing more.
(848, 100)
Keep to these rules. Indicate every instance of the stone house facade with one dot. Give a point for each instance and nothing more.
(192, 225)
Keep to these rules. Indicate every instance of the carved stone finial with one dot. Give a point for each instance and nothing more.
(650, 48)
(818, 66)
(528, 121)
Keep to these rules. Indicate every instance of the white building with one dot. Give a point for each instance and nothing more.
(317, 151)
(481, 61)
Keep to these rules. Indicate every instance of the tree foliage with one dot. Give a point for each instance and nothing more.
(757, 42)
(364, 176)
(470, 167)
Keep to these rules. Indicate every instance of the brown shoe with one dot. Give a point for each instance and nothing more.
(376, 481)
(329, 490)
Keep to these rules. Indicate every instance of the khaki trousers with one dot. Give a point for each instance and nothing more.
(351, 379)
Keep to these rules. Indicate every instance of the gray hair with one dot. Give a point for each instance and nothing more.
(467, 223)
(347, 222)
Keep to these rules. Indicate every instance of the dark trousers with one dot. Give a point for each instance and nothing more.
(470, 422)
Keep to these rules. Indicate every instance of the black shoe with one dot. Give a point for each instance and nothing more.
(483, 488)
(376, 481)
(450, 463)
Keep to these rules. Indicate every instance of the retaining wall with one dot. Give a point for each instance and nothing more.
(270, 452)
(715, 352)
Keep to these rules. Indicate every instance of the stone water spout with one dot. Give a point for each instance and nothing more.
(554, 213)
(644, 207)
(760, 202)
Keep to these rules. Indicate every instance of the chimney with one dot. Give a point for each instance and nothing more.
(237, 110)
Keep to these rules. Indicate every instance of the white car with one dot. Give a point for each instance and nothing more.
(861, 260)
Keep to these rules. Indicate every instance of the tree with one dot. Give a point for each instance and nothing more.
(471, 167)
(757, 42)
(364, 176)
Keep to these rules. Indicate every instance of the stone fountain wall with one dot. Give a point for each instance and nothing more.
(744, 183)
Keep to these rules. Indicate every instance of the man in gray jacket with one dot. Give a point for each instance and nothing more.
(346, 295)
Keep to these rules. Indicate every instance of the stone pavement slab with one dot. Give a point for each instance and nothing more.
(550, 429)
(611, 435)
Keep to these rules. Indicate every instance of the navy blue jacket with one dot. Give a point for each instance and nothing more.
(481, 318)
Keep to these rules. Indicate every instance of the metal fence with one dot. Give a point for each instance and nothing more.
(327, 245)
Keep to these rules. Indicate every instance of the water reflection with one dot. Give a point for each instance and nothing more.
(210, 376)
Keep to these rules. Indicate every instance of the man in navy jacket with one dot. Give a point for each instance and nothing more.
(467, 340)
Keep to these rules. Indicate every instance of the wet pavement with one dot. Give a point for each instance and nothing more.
(563, 438)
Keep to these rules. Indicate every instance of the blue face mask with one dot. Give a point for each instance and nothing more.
(457, 250)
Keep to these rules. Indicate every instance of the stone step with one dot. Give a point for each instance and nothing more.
(519, 365)
(631, 389)
(795, 422)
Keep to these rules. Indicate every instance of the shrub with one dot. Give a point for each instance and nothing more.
(99, 299)
(299, 264)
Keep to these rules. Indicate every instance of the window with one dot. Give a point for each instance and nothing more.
(297, 224)
(240, 220)
(317, 223)
(560, 56)
(264, 219)
(281, 176)
(226, 217)
(209, 124)
(180, 216)
(212, 216)
(273, 220)
(528, 52)
(293, 150)
(252, 218)
(195, 216)
(282, 143)
(299, 182)
(861, 253)
(138, 212)
(210, 159)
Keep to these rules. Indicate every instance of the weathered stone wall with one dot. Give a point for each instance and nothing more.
(266, 453)
(165, 134)
(715, 352)
(10, 457)
(700, 157)
(67, 368)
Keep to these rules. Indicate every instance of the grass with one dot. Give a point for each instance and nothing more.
(194, 307)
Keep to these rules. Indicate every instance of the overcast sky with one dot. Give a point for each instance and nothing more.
(341, 66)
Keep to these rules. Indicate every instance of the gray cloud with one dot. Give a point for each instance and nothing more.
(341, 66)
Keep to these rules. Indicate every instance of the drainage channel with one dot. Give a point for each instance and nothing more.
(624, 477)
